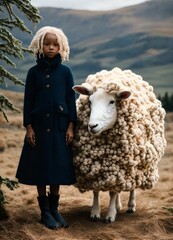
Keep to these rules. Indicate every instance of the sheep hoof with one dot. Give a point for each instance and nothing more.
(110, 220)
(118, 210)
(130, 210)
(95, 218)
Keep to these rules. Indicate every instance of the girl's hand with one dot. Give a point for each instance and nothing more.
(69, 134)
(30, 135)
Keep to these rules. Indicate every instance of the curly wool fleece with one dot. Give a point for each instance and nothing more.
(126, 156)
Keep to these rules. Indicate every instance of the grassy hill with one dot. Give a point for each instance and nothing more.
(138, 37)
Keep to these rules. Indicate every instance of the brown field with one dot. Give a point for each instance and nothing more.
(152, 219)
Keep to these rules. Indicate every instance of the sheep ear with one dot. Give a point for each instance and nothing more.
(123, 95)
(84, 89)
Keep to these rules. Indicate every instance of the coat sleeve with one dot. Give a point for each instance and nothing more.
(71, 101)
(29, 97)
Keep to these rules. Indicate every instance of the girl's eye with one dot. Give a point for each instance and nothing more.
(112, 102)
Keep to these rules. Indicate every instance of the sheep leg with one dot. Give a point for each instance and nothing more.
(95, 212)
(112, 210)
(131, 207)
(118, 202)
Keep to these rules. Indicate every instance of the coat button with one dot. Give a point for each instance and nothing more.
(47, 76)
(48, 85)
(47, 115)
(48, 130)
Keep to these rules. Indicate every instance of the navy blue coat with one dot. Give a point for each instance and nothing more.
(49, 106)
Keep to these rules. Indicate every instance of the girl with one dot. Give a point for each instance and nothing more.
(49, 117)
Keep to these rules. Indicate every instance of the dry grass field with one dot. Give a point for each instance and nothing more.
(152, 220)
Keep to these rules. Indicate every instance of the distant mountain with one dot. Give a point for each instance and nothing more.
(138, 37)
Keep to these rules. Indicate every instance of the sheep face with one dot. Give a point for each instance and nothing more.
(103, 107)
(103, 111)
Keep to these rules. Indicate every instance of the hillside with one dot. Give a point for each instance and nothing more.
(138, 37)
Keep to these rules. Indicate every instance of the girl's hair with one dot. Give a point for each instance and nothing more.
(36, 44)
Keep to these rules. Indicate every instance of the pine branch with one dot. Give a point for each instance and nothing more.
(6, 59)
(11, 44)
(31, 12)
(11, 184)
(6, 74)
(5, 103)
(2, 80)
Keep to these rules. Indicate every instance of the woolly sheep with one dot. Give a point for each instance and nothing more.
(119, 138)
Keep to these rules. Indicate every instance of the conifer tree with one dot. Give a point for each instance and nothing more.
(171, 103)
(165, 101)
(10, 46)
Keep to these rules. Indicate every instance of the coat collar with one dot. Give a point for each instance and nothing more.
(44, 63)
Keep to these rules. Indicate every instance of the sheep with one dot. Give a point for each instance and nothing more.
(119, 138)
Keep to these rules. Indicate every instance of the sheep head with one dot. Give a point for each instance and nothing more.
(103, 104)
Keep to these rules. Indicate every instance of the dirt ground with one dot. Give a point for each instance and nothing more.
(152, 219)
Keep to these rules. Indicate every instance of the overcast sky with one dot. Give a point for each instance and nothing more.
(86, 4)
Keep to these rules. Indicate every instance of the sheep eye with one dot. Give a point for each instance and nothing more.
(112, 102)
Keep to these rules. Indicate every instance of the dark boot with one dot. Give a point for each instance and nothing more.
(53, 203)
(46, 217)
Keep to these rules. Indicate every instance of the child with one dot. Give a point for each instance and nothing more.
(49, 117)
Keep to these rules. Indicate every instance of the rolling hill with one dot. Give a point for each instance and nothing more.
(138, 37)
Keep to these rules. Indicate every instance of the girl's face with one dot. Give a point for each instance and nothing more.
(50, 45)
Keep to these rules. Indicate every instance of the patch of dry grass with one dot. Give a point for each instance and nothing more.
(150, 221)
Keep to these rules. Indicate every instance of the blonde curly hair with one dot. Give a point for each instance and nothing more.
(36, 44)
